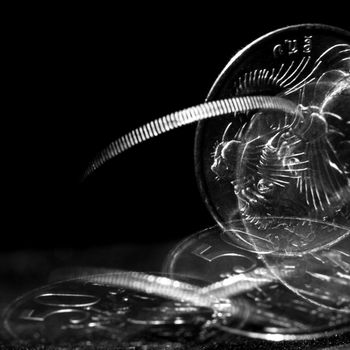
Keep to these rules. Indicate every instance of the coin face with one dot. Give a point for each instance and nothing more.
(272, 164)
(74, 312)
(280, 313)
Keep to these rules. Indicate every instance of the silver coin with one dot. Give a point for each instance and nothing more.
(77, 312)
(279, 313)
(275, 164)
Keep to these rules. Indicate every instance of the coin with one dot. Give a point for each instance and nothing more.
(76, 312)
(280, 313)
(263, 164)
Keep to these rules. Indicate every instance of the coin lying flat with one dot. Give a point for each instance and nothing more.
(265, 163)
(76, 312)
(280, 313)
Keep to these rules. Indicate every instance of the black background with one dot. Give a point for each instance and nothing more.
(80, 80)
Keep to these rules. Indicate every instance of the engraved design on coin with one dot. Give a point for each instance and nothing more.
(292, 165)
(185, 117)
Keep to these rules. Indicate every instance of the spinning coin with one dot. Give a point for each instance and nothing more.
(265, 164)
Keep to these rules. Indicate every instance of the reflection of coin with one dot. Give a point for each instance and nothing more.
(78, 313)
(280, 313)
(271, 164)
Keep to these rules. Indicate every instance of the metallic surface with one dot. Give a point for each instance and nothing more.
(255, 166)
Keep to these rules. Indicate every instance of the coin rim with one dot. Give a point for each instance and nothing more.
(198, 163)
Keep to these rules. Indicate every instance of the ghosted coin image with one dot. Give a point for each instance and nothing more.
(274, 164)
(280, 313)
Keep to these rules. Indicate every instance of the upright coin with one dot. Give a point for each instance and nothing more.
(274, 164)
